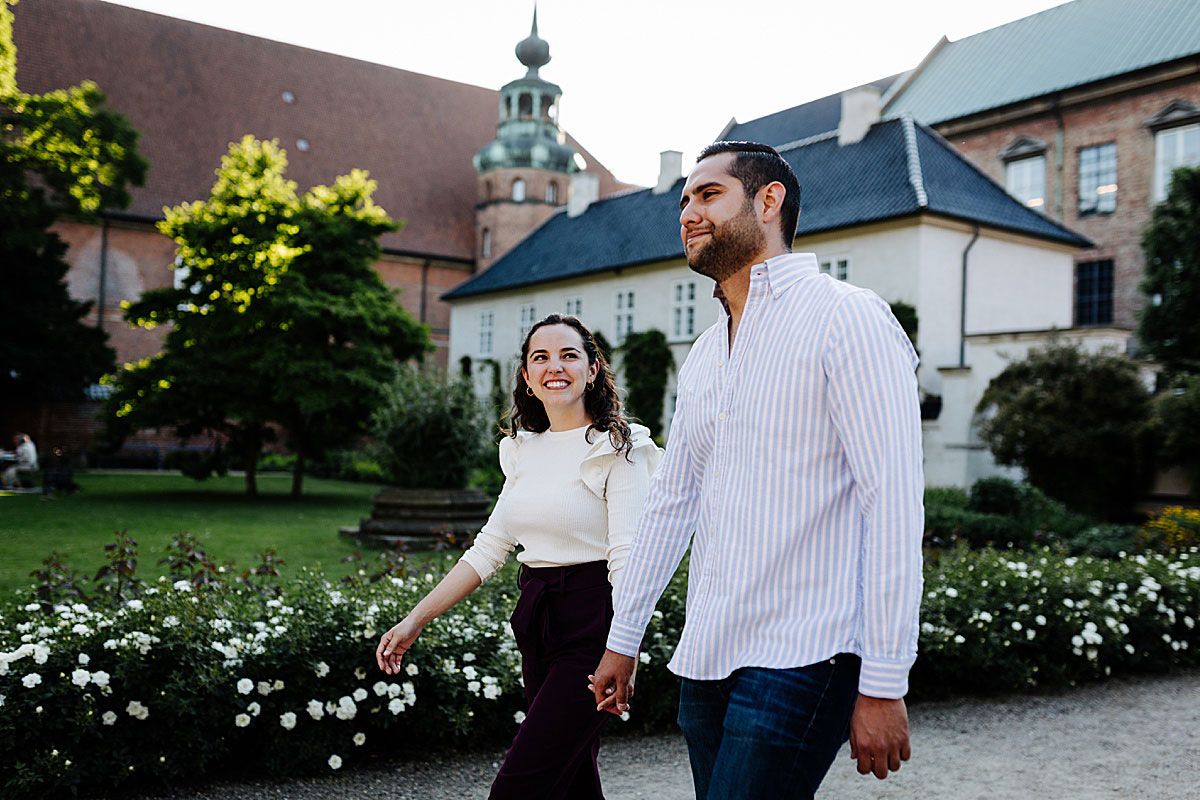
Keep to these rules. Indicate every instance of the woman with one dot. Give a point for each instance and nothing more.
(576, 474)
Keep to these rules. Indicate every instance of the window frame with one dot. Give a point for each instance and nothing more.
(624, 312)
(575, 300)
(520, 188)
(1105, 202)
(1013, 167)
(1100, 297)
(682, 324)
(1162, 176)
(485, 345)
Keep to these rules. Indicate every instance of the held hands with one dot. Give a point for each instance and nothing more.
(879, 735)
(395, 643)
(612, 683)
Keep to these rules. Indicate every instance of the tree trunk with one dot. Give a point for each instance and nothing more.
(253, 446)
(298, 471)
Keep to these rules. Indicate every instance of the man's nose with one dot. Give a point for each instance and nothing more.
(688, 215)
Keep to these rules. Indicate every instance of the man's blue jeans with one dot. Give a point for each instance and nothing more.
(768, 733)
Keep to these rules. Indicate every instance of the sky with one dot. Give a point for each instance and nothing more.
(638, 76)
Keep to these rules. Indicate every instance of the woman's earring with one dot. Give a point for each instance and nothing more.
(529, 391)
(589, 386)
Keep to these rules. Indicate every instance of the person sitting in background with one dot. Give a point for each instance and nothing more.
(27, 461)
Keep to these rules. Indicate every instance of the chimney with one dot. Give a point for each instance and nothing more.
(670, 169)
(860, 110)
(585, 190)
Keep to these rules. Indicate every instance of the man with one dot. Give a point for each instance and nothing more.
(795, 458)
(26, 461)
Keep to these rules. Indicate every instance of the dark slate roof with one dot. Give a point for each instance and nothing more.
(1069, 45)
(798, 122)
(899, 169)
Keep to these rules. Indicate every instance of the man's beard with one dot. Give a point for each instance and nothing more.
(733, 245)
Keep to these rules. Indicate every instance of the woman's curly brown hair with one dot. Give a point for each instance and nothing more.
(600, 400)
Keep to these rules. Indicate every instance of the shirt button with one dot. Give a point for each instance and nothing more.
(721, 415)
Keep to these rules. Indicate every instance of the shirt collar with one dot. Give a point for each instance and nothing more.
(781, 272)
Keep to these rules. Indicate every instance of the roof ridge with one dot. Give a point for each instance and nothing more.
(819, 137)
(915, 177)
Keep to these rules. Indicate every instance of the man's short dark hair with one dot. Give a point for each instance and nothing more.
(757, 165)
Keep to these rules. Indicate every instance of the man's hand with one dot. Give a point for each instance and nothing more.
(879, 735)
(612, 683)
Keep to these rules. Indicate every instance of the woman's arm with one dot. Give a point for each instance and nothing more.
(458, 583)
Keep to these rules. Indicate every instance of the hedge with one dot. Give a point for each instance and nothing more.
(184, 682)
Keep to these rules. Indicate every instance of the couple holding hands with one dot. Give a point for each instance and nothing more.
(794, 472)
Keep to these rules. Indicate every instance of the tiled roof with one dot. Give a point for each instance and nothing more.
(899, 169)
(1070, 45)
(798, 122)
(191, 89)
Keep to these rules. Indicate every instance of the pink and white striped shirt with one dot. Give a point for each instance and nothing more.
(795, 460)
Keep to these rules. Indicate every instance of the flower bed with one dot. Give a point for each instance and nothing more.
(185, 681)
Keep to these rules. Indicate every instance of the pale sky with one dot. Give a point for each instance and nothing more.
(638, 76)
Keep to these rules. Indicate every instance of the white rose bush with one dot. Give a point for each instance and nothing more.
(194, 679)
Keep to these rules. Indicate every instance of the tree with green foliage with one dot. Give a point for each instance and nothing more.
(62, 152)
(1170, 323)
(278, 319)
(1078, 423)
(646, 363)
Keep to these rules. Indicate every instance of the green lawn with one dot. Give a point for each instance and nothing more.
(154, 507)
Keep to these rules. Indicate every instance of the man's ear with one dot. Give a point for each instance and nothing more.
(771, 197)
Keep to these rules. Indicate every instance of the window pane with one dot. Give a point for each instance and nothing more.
(1026, 180)
(518, 191)
(1098, 179)
(1094, 293)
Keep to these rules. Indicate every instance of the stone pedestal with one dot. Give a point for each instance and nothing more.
(419, 517)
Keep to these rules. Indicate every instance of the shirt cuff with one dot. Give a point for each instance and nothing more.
(624, 638)
(480, 564)
(884, 679)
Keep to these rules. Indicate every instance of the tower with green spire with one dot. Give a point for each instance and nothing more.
(524, 174)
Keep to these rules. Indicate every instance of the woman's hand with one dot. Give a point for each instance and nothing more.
(395, 643)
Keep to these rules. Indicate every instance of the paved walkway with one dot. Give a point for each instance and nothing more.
(1122, 739)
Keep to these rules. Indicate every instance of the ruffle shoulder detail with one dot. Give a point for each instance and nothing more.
(594, 468)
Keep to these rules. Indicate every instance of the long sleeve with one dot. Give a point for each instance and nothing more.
(625, 494)
(495, 541)
(667, 523)
(870, 366)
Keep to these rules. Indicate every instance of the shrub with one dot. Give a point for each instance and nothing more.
(1105, 541)
(430, 432)
(1178, 422)
(1076, 422)
(187, 681)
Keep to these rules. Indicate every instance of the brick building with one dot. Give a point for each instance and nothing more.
(1081, 112)
(191, 89)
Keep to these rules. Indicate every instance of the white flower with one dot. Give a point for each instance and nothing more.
(335, 762)
(264, 688)
(396, 705)
(360, 739)
(182, 586)
(470, 673)
(31, 680)
(393, 690)
(287, 720)
(40, 654)
(1039, 619)
(346, 709)
(474, 687)
(644, 657)
(951, 591)
(135, 605)
(958, 638)
(254, 708)
(624, 716)
(359, 673)
(468, 657)
(315, 709)
(360, 694)
(100, 678)
(380, 688)
(242, 720)
(136, 709)
(170, 621)
(519, 717)
(81, 677)
(81, 629)
(109, 718)
(321, 670)
(245, 686)
(491, 691)
(277, 685)
(84, 659)
(411, 669)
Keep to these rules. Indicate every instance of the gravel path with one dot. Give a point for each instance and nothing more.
(1122, 739)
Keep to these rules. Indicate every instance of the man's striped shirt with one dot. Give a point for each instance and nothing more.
(795, 460)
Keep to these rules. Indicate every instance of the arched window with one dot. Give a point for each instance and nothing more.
(525, 105)
(518, 190)
(552, 193)
(486, 247)
(547, 105)
(508, 106)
